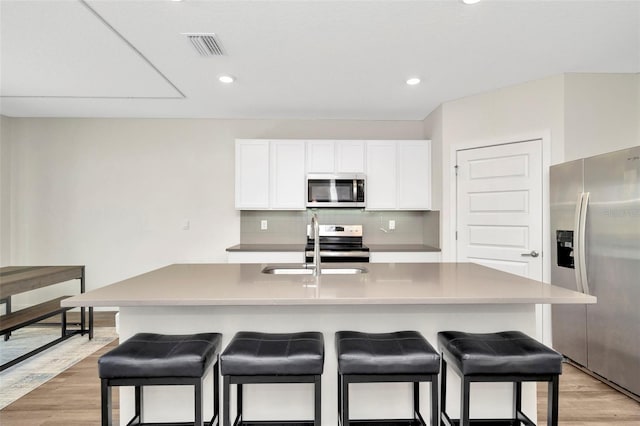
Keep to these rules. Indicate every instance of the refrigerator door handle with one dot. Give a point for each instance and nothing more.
(583, 243)
(577, 245)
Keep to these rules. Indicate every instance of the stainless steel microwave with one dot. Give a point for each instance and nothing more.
(335, 190)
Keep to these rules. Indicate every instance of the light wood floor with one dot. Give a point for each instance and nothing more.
(587, 401)
(73, 398)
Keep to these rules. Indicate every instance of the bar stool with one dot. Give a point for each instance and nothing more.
(509, 356)
(403, 356)
(252, 358)
(148, 359)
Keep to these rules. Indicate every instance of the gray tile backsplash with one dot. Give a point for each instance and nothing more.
(289, 227)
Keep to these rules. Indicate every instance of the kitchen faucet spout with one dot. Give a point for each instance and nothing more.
(316, 244)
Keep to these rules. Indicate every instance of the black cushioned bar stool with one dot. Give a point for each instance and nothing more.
(403, 356)
(252, 358)
(509, 356)
(148, 359)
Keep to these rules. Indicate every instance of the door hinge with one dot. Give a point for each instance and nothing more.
(456, 167)
(456, 235)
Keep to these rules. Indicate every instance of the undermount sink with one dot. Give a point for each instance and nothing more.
(301, 270)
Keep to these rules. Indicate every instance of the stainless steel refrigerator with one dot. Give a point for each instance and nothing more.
(595, 231)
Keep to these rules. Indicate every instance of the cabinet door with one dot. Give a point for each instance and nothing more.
(252, 174)
(287, 175)
(349, 156)
(381, 175)
(320, 156)
(414, 175)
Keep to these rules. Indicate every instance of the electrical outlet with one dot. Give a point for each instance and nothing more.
(263, 225)
(392, 225)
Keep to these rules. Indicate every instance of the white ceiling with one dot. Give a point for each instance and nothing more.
(296, 59)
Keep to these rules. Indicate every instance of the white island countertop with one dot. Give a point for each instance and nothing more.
(384, 284)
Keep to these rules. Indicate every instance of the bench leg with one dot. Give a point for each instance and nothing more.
(7, 304)
(90, 322)
(64, 324)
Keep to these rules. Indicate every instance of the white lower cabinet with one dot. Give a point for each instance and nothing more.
(404, 257)
(265, 257)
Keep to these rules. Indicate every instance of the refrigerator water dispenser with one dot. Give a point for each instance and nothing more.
(564, 241)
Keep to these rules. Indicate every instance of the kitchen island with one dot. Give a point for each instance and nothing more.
(226, 298)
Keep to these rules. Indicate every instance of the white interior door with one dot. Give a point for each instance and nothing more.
(499, 207)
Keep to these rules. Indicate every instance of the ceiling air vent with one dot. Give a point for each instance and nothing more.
(206, 44)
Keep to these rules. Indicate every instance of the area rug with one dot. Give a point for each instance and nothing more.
(17, 381)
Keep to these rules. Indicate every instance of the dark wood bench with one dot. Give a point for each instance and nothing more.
(19, 279)
(33, 314)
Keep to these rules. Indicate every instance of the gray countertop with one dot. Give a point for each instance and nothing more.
(402, 247)
(384, 284)
(266, 247)
(300, 248)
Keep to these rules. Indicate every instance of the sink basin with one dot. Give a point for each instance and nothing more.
(301, 270)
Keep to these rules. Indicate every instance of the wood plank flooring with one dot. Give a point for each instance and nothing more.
(587, 401)
(73, 398)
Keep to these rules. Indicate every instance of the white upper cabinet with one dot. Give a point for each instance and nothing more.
(287, 184)
(252, 174)
(270, 174)
(398, 175)
(335, 156)
(349, 156)
(414, 175)
(320, 157)
(381, 175)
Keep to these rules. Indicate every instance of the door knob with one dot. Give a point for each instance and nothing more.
(532, 254)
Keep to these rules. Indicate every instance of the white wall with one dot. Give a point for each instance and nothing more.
(602, 113)
(5, 193)
(583, 115)
(506, 115)
(115, 194)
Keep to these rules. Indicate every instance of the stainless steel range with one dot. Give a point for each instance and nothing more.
(338, 243)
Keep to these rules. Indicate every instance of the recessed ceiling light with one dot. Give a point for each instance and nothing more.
(413, 81)
(470, 1)
(226, 79)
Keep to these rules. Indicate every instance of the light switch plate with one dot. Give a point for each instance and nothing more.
(263, 225)
(392, 225)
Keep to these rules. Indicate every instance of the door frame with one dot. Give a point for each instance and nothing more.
(543, 312)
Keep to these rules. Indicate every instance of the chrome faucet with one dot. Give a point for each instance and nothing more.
(316, 244)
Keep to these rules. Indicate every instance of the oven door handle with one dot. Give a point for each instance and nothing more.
(330, 253)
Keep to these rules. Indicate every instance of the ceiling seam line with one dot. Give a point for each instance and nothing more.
(90, 97)
(104, 21)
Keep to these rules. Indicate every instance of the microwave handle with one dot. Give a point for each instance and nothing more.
(355, 190)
